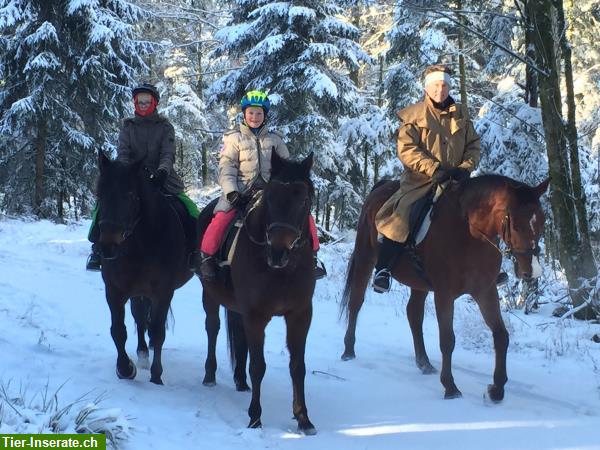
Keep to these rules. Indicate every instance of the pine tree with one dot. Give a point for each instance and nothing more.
(299, 51)
(68, 67)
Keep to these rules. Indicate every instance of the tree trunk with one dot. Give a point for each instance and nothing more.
(571, 129)
(327, 216)
(40, 165)
(376, 158)
(574, 251)
(461, 58)
(204, 156)
(531, 76)
(353, 75)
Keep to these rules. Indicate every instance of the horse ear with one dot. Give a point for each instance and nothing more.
(541, 188)
(307, 163)
(276, 162)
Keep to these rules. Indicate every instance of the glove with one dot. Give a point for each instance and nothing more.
(236, 199)
(440, 175)
(459, 174)
(159, 177)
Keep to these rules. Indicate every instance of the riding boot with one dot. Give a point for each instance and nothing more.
(319, 268)
(206, 266)
(388, 250)
(502, 279)
(94, 261)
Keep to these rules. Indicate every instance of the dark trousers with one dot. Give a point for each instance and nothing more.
(388, 250)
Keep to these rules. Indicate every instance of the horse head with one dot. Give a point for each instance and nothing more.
(119, 203)
(522, 227)
(287, 200)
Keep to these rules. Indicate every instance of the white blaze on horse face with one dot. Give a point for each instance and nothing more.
(532, 223)
(536, 268)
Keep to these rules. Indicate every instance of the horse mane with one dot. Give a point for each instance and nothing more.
(478, 190)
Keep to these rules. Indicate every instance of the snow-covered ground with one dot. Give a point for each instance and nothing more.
(55, 332)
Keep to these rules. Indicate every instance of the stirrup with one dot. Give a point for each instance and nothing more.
(382, 282)
(319, 270)
(94, 262)
(207, 269)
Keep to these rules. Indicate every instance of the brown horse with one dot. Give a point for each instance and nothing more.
(271, 275)
(144, 254)
(459, 255)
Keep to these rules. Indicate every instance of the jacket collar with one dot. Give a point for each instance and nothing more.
(245, 129)
(151, 118)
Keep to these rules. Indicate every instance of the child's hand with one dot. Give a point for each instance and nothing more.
(236, 199)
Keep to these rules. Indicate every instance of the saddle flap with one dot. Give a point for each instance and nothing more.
(227, 248)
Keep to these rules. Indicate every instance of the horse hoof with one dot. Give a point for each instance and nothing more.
(452, 394)
(209, 383)
(494, 393)
(156, 381)
(347, 356)
(255, 424)
(427, 369)
(309, 431)
(306, 427)
(127, 376)
(242, 387)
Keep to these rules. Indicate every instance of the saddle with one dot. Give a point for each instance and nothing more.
(419, 218)
(187, 222)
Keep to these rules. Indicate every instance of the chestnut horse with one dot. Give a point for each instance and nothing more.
(460, 255)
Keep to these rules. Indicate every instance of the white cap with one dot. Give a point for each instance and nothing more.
(437, 76)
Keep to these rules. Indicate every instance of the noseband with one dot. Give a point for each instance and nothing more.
(507, 238)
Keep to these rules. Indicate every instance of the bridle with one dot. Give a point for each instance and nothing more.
(510, 251)
(299, 240)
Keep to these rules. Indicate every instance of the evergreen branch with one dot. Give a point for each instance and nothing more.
(532, 127)
(476, 32)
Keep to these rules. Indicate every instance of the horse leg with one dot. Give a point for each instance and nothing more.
(139, 311)
(116, 302)
(489, 305)
(212, 325)
(255, 335)
(415, 312)
(297, 329)
(359, 276)
(444, 308)
(238, 348)
(160, 309)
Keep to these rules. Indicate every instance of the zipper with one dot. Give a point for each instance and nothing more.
(258, 149)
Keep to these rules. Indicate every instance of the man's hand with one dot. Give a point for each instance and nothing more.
(440, 175)
(459, 174)
(159, 177)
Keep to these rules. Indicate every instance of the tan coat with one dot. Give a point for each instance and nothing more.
(427, 139)
(246, 159)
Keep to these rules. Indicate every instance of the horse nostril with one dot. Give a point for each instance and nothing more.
(527, 276)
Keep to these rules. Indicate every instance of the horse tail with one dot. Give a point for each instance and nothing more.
(363, 255)
(348, 286)
(236, 336)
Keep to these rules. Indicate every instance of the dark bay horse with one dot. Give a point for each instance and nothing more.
(271, 275)
(459, 255)
(144, 254)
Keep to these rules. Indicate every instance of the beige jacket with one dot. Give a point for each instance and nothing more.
(245, 159)
(427, 139)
